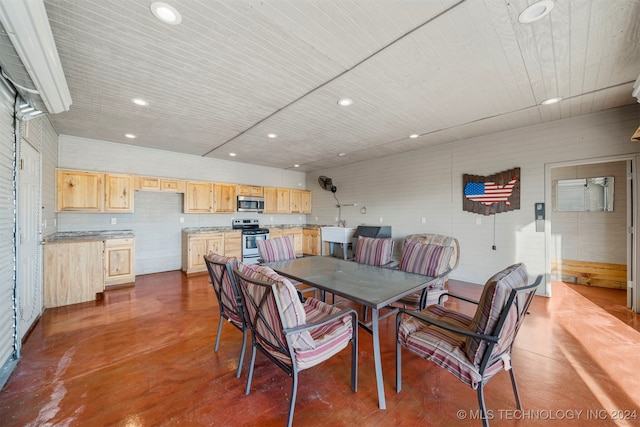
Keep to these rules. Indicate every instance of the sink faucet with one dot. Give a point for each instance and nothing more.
(342, 223)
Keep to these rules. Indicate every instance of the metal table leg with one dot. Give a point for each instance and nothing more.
(377, 360)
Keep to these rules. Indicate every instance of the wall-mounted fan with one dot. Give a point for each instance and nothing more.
(326, 183)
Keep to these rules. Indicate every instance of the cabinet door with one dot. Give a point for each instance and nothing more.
(215, 244)
(119, 261)
(233, 244)
(295, 201)
(270, 200)
(79, 191)
(274, 233)
(225, 198)
(172, 185)
(311, 241)
(118, 193)
(284, 200)
(197, 251)
(198, 197)
(305, 202)
(147, 183)
(297, 239)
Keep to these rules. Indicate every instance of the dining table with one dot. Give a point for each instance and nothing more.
(373, 287)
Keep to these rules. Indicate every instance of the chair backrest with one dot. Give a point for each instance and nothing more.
(229, 300)
(373, 251)
(501, 310)
(278, 249)
(272, 304)
(439, 240)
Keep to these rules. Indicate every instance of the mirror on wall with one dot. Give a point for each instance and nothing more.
(583, 194)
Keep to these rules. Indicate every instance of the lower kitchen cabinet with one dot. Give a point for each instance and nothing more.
(195, 245)
(77, 270)
(119, 259)
(297, 239)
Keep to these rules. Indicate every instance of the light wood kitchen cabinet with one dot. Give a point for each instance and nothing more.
(118, 193)
(233, 244)
(119, 261)
(300, 201)
(224, 199)
(166, 185)
(73, 272)
(249, 190)
(277, 200)
(79, 191)
(297, 239)
(195, 245)
(274, 233)
(311, 241)
(198, 197)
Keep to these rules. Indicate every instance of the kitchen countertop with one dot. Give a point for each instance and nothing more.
(72, 236)
(226, 229)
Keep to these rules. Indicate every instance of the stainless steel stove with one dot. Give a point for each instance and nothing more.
(251, 233)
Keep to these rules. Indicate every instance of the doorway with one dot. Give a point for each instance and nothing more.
(593, 247)
(29, 252)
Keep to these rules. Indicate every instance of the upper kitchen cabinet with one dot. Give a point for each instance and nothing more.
(224, 199)
(166, 185)
(79, 191)
(198, 197)
(277, 200)
(249, 190)
(87, 191)
(118, 193)
(300, 201)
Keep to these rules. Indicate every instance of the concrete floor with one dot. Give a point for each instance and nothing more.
(143, 356)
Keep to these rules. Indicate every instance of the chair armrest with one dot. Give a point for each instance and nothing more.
(332, 318)
(460, 297)
(446, 326)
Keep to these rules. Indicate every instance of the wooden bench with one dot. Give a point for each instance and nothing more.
(590, 273)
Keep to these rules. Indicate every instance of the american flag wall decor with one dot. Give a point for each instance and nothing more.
(488, 195)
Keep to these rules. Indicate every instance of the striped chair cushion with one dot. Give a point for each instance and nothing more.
(445, 349)
(373, 251)
(430, 260)
(227, 294)
(494, 296)
(278, 249)
(293, 313)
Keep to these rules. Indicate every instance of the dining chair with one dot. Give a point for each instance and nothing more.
(220, 270)
(292, 334)
(476, 348)
(433, 255)
(281, 249)
(374, 251)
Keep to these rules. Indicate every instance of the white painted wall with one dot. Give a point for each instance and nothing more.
(427, 183)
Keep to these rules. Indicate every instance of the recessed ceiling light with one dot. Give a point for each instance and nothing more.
(296, 166)
(272, 135)
(342, 154)
(345, 102)
(536, 11)
(140, 101)
(551, 101)
(414, 135)
(166, 13)
(232, 154)
(130, 135)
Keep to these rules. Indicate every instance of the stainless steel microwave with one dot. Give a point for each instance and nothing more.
(250, 204)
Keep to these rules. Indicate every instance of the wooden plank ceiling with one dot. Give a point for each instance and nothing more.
(234, 71)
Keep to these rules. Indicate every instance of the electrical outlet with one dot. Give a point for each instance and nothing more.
(478, 221)
(113, 221)
(424, 220)
(380, 219)
(45, 224)
(181, 219)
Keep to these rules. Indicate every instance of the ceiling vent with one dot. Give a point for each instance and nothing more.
(29, 58)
